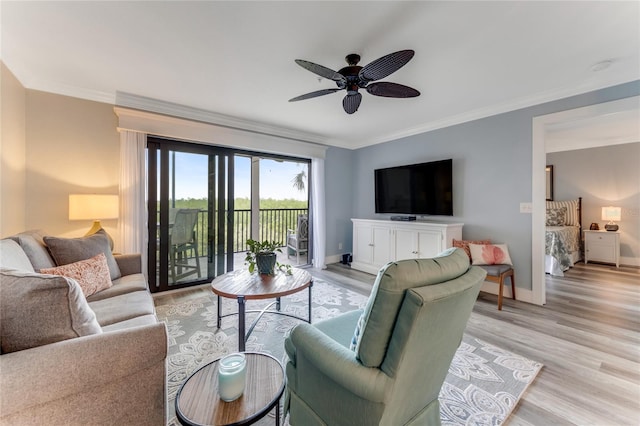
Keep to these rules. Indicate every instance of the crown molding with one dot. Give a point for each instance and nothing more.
(69, 90)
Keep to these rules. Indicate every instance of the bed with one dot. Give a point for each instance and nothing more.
(562, 236)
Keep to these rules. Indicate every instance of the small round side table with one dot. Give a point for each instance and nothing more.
(198, 402)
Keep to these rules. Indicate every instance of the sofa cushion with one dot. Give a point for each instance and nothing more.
(92, 274)
(38, 309)
(70, 250)
(123, 307)
(130, 323)
(32, 242)
(378, 319)
(124, 284)
(13, 256)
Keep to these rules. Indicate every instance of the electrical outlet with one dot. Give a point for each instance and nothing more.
(339, 246)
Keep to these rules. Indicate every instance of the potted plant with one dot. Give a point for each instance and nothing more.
(262, 254)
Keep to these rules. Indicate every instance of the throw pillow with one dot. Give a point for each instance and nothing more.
(38, 309)
(573, 212)
(464, 244)
(92, 274)
(490, 254)
(556, 216)
(70, 250)
(32, 243)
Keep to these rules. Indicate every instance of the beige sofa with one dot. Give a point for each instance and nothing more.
(75, 360)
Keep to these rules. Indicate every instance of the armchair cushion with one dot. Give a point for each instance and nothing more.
(377, 321)
(37, 309)
(70, 250)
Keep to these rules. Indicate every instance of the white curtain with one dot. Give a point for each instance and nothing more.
(132, 226)
(318, 210)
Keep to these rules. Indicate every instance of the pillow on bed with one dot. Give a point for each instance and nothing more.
(573, 217)
(557, 216)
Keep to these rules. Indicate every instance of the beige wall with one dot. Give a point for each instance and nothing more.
(12, 153)
(72, 148)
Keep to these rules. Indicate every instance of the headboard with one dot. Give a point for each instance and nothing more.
(574, 210)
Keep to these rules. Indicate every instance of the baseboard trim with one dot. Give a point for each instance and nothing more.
(522, 294)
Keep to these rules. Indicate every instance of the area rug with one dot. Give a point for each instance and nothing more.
(482, 387)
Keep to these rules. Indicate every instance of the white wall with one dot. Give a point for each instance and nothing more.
(12, 153)
(72, 148)
(603, 176)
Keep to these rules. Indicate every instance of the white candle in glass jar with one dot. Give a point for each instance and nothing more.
(231, 376)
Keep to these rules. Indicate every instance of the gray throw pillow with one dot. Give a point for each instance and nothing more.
(38, 309)
(32, 243)
(71, 250)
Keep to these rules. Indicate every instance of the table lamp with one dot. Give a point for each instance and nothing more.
(93, 207)
(611, 214)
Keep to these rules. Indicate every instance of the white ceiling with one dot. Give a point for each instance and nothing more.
(234, 61)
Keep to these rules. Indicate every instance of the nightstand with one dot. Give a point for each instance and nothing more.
(602, 246)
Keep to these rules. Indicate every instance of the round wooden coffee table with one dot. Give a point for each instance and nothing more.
(198, 401)
(243, 285)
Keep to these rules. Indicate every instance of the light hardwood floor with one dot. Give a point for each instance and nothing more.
(587, 336)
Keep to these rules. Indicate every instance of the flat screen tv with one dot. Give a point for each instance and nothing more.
(419, 189)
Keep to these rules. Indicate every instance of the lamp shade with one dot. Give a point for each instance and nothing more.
(611, 213)
(93, 206)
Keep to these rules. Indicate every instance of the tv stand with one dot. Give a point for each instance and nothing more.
(377, 242)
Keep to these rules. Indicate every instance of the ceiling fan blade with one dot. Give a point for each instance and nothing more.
(392, 90)
(382, 67)
(350, 103)
(320, 70)
(313, 94)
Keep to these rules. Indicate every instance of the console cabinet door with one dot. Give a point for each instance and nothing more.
(363, 244)
(381, 246)
(371, 246)
(429, 243)
(410, 244)
(406, 244)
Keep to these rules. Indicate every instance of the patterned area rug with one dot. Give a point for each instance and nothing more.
(482, 388)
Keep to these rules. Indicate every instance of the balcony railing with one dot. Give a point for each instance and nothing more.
(273, 227)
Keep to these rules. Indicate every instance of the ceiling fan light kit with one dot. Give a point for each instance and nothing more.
(354, 77)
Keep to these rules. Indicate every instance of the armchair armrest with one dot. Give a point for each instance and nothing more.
(129, 263)
(52, 372)
(338, 363)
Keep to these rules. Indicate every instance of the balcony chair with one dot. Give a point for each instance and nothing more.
(298, 239)
(384, 366)
(182, 239)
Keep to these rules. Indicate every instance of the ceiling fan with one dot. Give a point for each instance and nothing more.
(354, 77)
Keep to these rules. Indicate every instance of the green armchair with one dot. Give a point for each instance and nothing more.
(384, 365)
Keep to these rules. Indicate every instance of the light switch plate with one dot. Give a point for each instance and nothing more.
(526, 208)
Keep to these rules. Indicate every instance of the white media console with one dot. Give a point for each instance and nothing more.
(377, 242)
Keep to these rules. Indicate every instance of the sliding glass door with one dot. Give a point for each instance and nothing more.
(204, 202)
(190, 195)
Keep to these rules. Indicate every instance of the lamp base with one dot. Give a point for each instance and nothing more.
(611, 227)
(95, 228)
